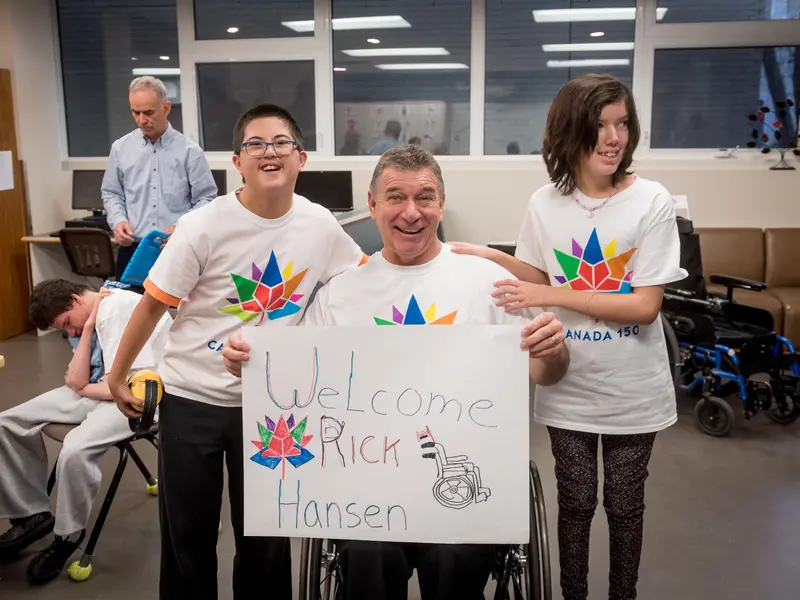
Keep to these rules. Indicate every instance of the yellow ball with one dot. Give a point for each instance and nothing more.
(137, 384)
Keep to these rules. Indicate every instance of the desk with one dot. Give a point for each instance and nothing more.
(48, 239)
(40, 239)
(49, 261)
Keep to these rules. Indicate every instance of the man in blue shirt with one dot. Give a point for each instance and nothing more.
(154, 174)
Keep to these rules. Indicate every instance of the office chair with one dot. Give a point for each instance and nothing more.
(89, 251)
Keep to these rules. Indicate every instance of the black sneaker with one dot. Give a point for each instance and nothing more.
(46, 565)
(25, 531)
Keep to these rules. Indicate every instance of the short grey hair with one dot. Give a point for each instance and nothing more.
(408, 158)
(153, 83)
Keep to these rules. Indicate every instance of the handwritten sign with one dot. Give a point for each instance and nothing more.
(415, 434)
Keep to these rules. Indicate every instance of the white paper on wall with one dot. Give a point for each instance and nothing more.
(6, 171)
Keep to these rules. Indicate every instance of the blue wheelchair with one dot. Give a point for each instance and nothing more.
(718, 348)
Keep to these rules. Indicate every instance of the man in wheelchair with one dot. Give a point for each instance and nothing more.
(85, 401)
(414, 270)
(724, 347)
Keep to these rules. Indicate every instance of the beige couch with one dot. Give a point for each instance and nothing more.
(771, 256)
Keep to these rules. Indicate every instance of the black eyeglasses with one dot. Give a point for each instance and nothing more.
(258, 148)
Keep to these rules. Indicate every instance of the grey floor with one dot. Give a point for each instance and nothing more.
(722, 521)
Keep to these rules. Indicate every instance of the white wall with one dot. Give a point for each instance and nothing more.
(486, 196)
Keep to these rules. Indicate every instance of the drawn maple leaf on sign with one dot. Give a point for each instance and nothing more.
(281, 442)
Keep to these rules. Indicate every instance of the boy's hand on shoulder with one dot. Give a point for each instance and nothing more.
(92, 320)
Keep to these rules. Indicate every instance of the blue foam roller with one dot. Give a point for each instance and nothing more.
(144, 257)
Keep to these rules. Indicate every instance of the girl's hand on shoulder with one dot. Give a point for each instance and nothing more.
(516, 295)
(473, 249)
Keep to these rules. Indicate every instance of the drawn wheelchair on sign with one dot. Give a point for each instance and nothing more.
(458, 481)
(522, 571)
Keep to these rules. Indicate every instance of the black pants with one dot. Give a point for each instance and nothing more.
(380, 570)
(124, 255)
(625, 459)
(195, 438)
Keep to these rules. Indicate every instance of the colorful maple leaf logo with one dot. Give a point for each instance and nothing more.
(282, 442)
(595, 269)
(269, 294)
(414, 316)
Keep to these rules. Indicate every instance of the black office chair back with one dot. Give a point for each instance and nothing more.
(89, 251)
(691, 260)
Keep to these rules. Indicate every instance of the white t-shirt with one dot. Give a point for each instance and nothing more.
(229, 267)
(113, 315)
(451, 289)
(619, 379)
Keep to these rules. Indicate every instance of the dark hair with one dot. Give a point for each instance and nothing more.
(408, 158)
(259, 112)
(571, 129)
(51, 298)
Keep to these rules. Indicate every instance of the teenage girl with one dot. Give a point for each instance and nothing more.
(597, 245)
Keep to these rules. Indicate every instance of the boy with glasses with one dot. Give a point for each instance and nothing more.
(250, 258)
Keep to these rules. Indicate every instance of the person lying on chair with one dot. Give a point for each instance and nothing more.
(414, 269)
(84, 401)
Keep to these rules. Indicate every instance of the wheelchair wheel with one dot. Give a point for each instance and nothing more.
(785, 410)
(673, 351)
(320, 576)
(714, 416)
(524, 572)
(454, 492)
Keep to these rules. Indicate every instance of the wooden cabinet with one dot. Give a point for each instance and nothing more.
(14, 270)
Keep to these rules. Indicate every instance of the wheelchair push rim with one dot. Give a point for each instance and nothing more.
(785, 407)
(525, 571)
(320, 577)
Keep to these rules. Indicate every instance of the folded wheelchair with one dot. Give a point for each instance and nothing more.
(522, 571)
(720, 348)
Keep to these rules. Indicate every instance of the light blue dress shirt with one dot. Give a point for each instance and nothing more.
(96, 370)
(151, 185)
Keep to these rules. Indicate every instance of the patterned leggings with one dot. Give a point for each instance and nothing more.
(625, 459)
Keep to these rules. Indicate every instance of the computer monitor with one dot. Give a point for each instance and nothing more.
(86, 191)
(331, 189)
(221, 179)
